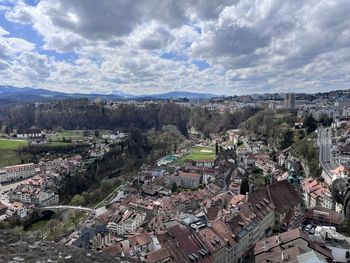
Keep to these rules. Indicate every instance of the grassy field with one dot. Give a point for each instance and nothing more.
(70, 134)
(67, 135)
(54, 143)
(6, 144)
(199, 153)
(8, 153)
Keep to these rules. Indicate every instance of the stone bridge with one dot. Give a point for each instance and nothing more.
(59, 208)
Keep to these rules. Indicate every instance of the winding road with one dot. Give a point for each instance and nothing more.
(324, 142)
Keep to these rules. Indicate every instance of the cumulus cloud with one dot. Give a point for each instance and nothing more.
(151, 45)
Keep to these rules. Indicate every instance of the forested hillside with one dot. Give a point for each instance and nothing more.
(82, 114)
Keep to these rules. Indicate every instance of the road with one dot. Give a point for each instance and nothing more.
(104, 202)
(324, 142)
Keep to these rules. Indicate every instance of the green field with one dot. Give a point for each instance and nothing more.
(70, 134)
(6, 144)
(199, 153)
(8, 153)
(67, 135)
(56, 143)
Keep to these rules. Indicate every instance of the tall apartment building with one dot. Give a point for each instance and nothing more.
(17, 172)
(289, 100)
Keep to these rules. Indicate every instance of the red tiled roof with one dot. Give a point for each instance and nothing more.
(157, 256)
(283, 196)
(286, 237)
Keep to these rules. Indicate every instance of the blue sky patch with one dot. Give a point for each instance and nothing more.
(174, 56)
(201, 64)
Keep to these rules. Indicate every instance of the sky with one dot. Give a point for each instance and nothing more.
(229, 47)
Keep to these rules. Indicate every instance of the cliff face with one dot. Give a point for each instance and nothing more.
(15, 248)
(341, 194)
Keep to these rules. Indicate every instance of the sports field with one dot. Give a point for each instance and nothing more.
(199, 153)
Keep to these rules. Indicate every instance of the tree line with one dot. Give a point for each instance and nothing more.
(73, 114)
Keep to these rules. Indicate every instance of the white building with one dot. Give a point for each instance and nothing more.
(128, 223)
(17, 172)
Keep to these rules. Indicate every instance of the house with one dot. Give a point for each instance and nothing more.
(214, 243)
(32, 133)
(17, 172)
(282, 195)
(323, 216)
(95, 238)
(14, 208)
(134, 246)
(290, 247)
(343, 154)
(316, 194)
(33, 194)
(339, 172)
(264, 210)
(129, 222)
(183, 246)
(159, 256)
(224, 232)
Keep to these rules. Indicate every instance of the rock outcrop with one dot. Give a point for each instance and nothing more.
(15, 249)
(341, 194)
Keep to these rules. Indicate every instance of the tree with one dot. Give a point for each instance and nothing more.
(310, 123)
(325, 120)
(97, 133)
(78, 200)
(287, 139)
(244, 186)
(216, 148)
(174, 188)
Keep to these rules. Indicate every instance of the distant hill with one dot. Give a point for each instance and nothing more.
(10, 94)
(181, 94)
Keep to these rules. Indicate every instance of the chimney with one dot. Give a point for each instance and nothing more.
(266, 246)
(284, 256)
(278, 239)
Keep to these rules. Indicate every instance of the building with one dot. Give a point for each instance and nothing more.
(282, 195)
(183, 245)
(200, 163)
(289, 101)
(32, 133)
(225, 233)
(17, 172)
(159, 256)
(321, 216)
(343, 154)
(95, 238)
(291, 246)
(129, 222)
(316, 194)
(214, 243)
(184, 180)
(330, 112)
(33, 195)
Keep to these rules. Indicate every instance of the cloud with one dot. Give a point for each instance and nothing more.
(249, 45)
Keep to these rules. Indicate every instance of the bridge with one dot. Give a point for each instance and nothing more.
(59, 208)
